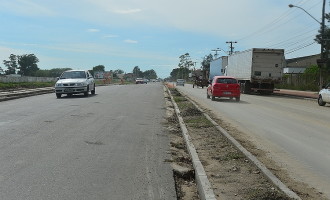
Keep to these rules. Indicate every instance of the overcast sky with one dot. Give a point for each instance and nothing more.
(152, 34)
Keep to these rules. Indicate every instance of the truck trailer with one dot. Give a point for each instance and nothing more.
(217, 66)
(257, 69)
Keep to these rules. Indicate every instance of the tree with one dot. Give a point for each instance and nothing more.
(178, 73)
(117, 71)
(150, 74)
(56, 72)
(312, 70)
(27, 64)
(325, 40)
(99, 68)
(43, 73)
(11, 64)
(137, 72)
(185, 63)
(206, 65)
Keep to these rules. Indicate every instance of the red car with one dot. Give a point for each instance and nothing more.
(224, 86)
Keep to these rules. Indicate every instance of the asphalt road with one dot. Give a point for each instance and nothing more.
(293, 132)
(111, 145)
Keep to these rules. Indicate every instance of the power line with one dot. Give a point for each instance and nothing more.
(275, 24)
(294, 38)
(298, 48)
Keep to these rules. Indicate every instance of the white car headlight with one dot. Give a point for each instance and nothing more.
(59, 85)
(81, 84)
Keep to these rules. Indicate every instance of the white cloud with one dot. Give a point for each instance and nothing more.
(219, 20)
(130, 41)
(128, 11)
(92, 30)
(110, 36)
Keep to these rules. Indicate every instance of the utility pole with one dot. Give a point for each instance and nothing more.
(231, 46)
(216, 52)
(324, 54)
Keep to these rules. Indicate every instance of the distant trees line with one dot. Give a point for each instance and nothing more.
(187, 66)
(27, 65)
(136, 73)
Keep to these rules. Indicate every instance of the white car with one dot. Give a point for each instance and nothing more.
(324, 95)
(75, 82)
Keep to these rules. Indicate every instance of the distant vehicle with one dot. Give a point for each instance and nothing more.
(180, 82)
(224, 86)
(257, 69)
(324, 95)
(200, 82)
(145, 81)
(75, 82)
(139, 81)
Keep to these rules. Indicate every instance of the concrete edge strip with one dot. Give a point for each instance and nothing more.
(251, 157)
(11, 96)
(205, 190)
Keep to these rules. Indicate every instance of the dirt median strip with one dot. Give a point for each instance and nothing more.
(203, 184)
(232, 171)
(252, 158)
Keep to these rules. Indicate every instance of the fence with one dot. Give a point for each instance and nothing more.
(13, 79)
(304, 81)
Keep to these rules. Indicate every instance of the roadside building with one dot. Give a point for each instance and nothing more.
(295, 68)
(299, 65)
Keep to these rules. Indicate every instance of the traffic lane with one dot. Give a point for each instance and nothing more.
(107, 146)
(294, 132)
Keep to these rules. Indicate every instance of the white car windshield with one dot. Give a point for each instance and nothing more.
(73, 74)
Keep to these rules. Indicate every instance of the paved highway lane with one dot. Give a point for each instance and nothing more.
(111, 145)
(293, 132)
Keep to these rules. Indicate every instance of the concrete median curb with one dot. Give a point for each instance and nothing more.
(204, 187)
(296, 93)
(5, 96)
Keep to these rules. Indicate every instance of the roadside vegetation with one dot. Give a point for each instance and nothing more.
(21, 85)
(307, 81)
(27, 65)
(31, 85)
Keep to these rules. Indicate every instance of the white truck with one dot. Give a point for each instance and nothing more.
(256, 69)
(217, 66)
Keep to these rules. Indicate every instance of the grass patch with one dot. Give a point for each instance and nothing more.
(185, 105)
(175, 92)
(190, 110)
(233, 156)
(198, 122)
(179, 99)
(264, 194)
